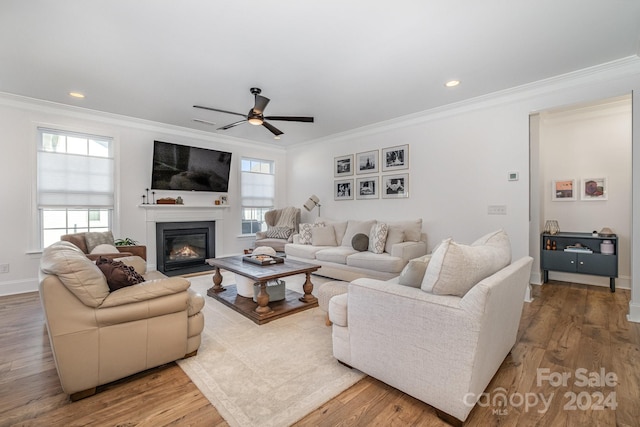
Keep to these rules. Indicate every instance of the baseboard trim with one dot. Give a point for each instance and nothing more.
(14, 287)
(634, 313)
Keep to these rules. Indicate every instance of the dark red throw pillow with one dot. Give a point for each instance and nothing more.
(118, 274)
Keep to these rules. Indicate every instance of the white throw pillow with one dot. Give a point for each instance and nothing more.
(412, 229)
(455, 268)
(378, 237)
(323, 236)
(356, 227)
(105, 249)
(413, 273)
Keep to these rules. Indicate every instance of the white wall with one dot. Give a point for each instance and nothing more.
(19, 119)
(590, 142)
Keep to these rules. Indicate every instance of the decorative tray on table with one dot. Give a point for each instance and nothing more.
(263, 259)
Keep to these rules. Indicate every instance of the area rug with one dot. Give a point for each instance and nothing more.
(265, 375)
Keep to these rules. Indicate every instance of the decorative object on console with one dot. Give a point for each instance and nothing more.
(606, 232)
(551, 227)
(343, 166)
(179, 201)
(395, 186)
(394, 158)
(343, 189)
(311, 203)
(563, 190)
(367, 162)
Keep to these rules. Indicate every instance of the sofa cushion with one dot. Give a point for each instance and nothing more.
(378, 237)
(94, 239)
(339, 227)
(356, 227)
(360, 242)
(412, 229)
(413, 273)
(77, 272)
(338, 254)
(395, 235)
(376, 262)
(455, 268)
(279, 232)
(119, 275)
(303, 251)
(323, 236)
(136, 262)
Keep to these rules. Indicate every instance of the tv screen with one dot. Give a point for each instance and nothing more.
(184, 168)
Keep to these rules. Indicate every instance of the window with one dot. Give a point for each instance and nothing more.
(257, 193)
(75, 184)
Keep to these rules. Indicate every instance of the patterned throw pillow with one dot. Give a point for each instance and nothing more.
(378, 237)
(306, 237)
(118, 274)
(279, 232)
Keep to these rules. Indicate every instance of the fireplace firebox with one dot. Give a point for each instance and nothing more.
(183, 247)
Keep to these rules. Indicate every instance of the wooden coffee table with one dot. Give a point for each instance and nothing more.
(264, 311)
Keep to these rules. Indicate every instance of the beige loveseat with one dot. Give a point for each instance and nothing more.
(329, 243)
(98, 336)
(442, 335)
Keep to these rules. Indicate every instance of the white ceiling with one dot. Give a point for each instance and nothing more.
(347, 63)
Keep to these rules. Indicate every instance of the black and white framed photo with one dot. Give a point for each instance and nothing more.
(395, 158)
(367, 162)
(367, 188)
(594, 189)
(343, 166)
(395, 186)
(343, 189)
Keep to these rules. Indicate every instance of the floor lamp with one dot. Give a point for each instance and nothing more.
(312, 202)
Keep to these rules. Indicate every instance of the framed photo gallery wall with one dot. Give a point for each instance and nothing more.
(586, 189)
(379, 174)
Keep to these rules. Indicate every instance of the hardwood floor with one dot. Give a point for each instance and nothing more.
(566, 328)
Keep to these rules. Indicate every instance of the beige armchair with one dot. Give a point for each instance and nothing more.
(98, 336)
(80, 240)
(282, 225)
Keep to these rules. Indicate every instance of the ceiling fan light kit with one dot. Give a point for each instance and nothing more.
(255, 115)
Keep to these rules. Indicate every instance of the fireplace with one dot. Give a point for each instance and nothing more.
(183, 247)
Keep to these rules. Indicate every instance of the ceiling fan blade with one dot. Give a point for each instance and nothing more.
(274, 130)
(229, 126)
(291, 119)
(218, 110)
(261, 104)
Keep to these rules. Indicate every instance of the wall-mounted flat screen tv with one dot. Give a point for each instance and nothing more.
(184, 168)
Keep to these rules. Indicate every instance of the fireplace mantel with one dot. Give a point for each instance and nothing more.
(175, 213)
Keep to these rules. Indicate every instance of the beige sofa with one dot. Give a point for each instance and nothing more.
(442, 335)
(98, 336)
(329, 243)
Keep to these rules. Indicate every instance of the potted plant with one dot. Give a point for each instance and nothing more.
(126, 242)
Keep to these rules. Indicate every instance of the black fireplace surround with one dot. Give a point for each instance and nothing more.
(183, 247)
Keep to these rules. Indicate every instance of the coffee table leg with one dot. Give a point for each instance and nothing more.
(263, 299)
(308, 288)
(217, 283)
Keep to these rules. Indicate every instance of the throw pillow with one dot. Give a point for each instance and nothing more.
(395, 235)
(94, 239)
(455, 268)
(360, 242)
(413, 273)
(279, 232)
(105, 249)
(356, 227)
(323, 236)
(412, 229)
(378, 237)
(305, 232)
(118, 274)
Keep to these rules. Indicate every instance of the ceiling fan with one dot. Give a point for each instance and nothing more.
(256, 114)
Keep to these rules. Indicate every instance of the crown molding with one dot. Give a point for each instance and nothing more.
(49, 107)
(620, 68)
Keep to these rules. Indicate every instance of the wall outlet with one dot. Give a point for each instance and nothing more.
(497, 210)
(4, 268)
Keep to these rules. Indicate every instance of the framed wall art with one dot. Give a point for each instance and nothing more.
(367, 188)
(395, 158)
(343, 166)
(343, 189)
(563, 190)
(395, 186)
(367, 162)
(593, 189)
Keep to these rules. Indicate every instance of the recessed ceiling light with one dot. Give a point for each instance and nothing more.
(276, 137)
(452, 83)
(76, 94)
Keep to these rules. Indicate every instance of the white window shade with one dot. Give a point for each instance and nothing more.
(258, 189)
(74, 180)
